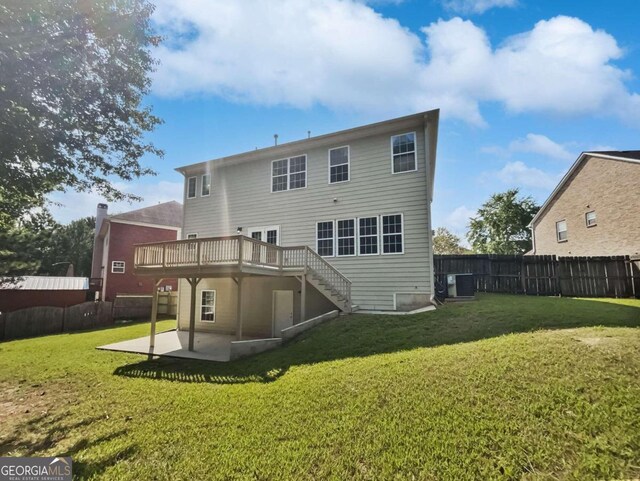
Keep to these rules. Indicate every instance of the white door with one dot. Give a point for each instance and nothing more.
(282, 311)
(270, 234)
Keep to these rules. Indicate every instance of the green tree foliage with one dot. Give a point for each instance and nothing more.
(72, 243)
(23, 243)
(446, 242)
(500, 225)
(73, 75)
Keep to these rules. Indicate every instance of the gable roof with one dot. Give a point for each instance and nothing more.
(168, 213)
(615, 155)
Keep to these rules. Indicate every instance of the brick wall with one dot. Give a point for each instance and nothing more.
(611, 188)
(122, 238)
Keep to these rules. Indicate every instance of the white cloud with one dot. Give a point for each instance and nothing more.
(345, 56)
(518, 174)
(543, 145)
(75, 205)
(476, 6)
(458, 219)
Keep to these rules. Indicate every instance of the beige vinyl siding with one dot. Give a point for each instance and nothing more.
(241, 196)
(257, 304)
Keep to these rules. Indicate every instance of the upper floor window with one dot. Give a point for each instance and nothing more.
(561, 230)
(403, 153)
(206, 185)
(288, 174)
(590, 218)
(339, 165)
(392, 234)
(324, 238)
(191, 187)
(117, 267)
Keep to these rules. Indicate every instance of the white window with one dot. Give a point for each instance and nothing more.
(403, 153)
(346, 235)
(117, 267)
(208, 306)
(324, 238)
(561, 230)
(339, 165)
(392, 234)
(368, 235)
(590, 218)
(191, 188)
(289, 174)
(205, 190)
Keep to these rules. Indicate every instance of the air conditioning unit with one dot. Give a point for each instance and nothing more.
(460, 286)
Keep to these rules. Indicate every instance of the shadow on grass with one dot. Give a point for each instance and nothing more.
(363, 335)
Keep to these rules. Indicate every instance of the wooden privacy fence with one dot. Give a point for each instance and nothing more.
(614, 276)
(138, 306)
(41, 321)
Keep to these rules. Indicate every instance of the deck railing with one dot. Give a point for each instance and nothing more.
(243, 251)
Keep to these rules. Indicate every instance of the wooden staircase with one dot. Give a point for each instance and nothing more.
(328, 280)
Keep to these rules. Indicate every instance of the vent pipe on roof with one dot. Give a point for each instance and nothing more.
(275, 139)
(308, 134)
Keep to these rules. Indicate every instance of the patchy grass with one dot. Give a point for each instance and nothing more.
(506, 387)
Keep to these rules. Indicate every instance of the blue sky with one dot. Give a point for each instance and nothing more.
(523, 86)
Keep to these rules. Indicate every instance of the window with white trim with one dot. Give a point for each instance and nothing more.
(117, 267)
(208, 306)
(339, 165)
(561, 231)
(191, 188)
(403, 153)
(205, 189)
(346, 236)
(192, 236)
(289, 174)
(590, 218)
(392, 234)
(368, 235)
(324, 238)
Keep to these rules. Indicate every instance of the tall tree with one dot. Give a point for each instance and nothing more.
(446, 242)
(500, 225)
(73, 76)
(69, 244)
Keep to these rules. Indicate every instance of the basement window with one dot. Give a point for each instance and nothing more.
(561, 231)
(117, 267)
(590, 218)
(208, 306)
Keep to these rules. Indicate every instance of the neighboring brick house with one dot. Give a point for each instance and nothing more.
(114, 243)
(594, 210)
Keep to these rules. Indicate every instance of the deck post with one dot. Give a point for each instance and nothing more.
(192, 311)
(239, 310)
(154, 313)
(303, 297)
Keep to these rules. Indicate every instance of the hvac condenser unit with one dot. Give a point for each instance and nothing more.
(460, 285)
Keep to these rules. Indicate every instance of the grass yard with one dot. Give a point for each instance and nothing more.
(506, 387)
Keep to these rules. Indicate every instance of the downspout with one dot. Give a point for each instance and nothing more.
(427, 149)
(533, 239)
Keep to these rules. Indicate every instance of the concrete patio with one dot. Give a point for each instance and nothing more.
(208, 346)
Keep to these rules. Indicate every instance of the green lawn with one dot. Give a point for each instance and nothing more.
(506, 387)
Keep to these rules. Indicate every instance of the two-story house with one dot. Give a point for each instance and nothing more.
(114, 241)
(274, 236)
(594, 210)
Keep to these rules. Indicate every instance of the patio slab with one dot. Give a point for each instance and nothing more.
(208, 346)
